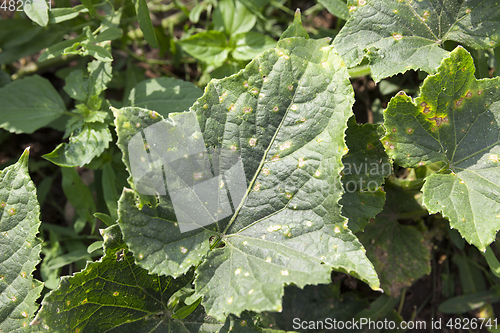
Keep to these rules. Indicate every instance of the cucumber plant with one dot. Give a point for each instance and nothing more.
(317, 195)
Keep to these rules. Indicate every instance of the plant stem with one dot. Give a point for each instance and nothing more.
(36, 67)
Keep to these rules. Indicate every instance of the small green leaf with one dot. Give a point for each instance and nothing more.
(90, 6)
(248, 45)
(100, 74)
(29, 104)
(234, 17)
(105, 218)
(108, 34)
(98, 52)
(68, 258)
(400, 35)
(37, 11)
(296, 29)
(455, 120)
(397, 251)
(164, 95)
(337, 8)
(94, 246)
(141, 8)
(209, 46)
(58, 15)
(59, 48)
(492, 261)
(77, 85)
(85, 143)
(366, 165)
(19, 248)
(78, 195)
(470, 302)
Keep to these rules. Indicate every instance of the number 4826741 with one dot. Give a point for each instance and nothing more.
(22, 5)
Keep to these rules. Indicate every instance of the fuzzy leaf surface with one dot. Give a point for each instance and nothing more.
(400, 35)
(284, 115)
(366, 166)
(456, 121)
(19, 248)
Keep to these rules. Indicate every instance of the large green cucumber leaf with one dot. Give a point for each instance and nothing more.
(19, 248)
(115, 295)
(398, 35)
(456, 121)
(366, 166)
(398, 252)
(284, 115)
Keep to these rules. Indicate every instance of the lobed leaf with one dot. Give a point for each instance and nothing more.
(284, 118)
(455, 120)
(400, 35)
(19, 248)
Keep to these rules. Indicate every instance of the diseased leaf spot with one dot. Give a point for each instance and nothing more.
(198, 175)
(479, 92)
(290, 87)
(231, 108)
(12, 211)
(273, 228)
(138, 125)
(409, 130)
(116, 293)
(468, 95)
(141, 256)
(423, 104)
(286, 145)
(309, 223)
(395, 11)
(352, 8)
(233, 148)
(337, 230)
(268, 259)
(301, 162)
(458, 102)
(238, 271)
(245, 243)
(391, 147)
(288, 195)
(67, 302)
(317, 173)
(284, 273)
(468, 10)
(23, 274)
(421, 163)
(247, 109)
(426, 15)
(221, 99)
(183, 250)
(394, 130)
(13, 298)
(250, 292)
(293, 107)
(461, 182)
(2, 205)
(245, 84)
(426, 110)
(266, 171)
(24, 314)
(361, 2)
(256, 188)
(255, 91)
(276, 109)
(252, 142)
(205, 106)
(153, 114)
(494, 158)
(440, 120)
(397, 36)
